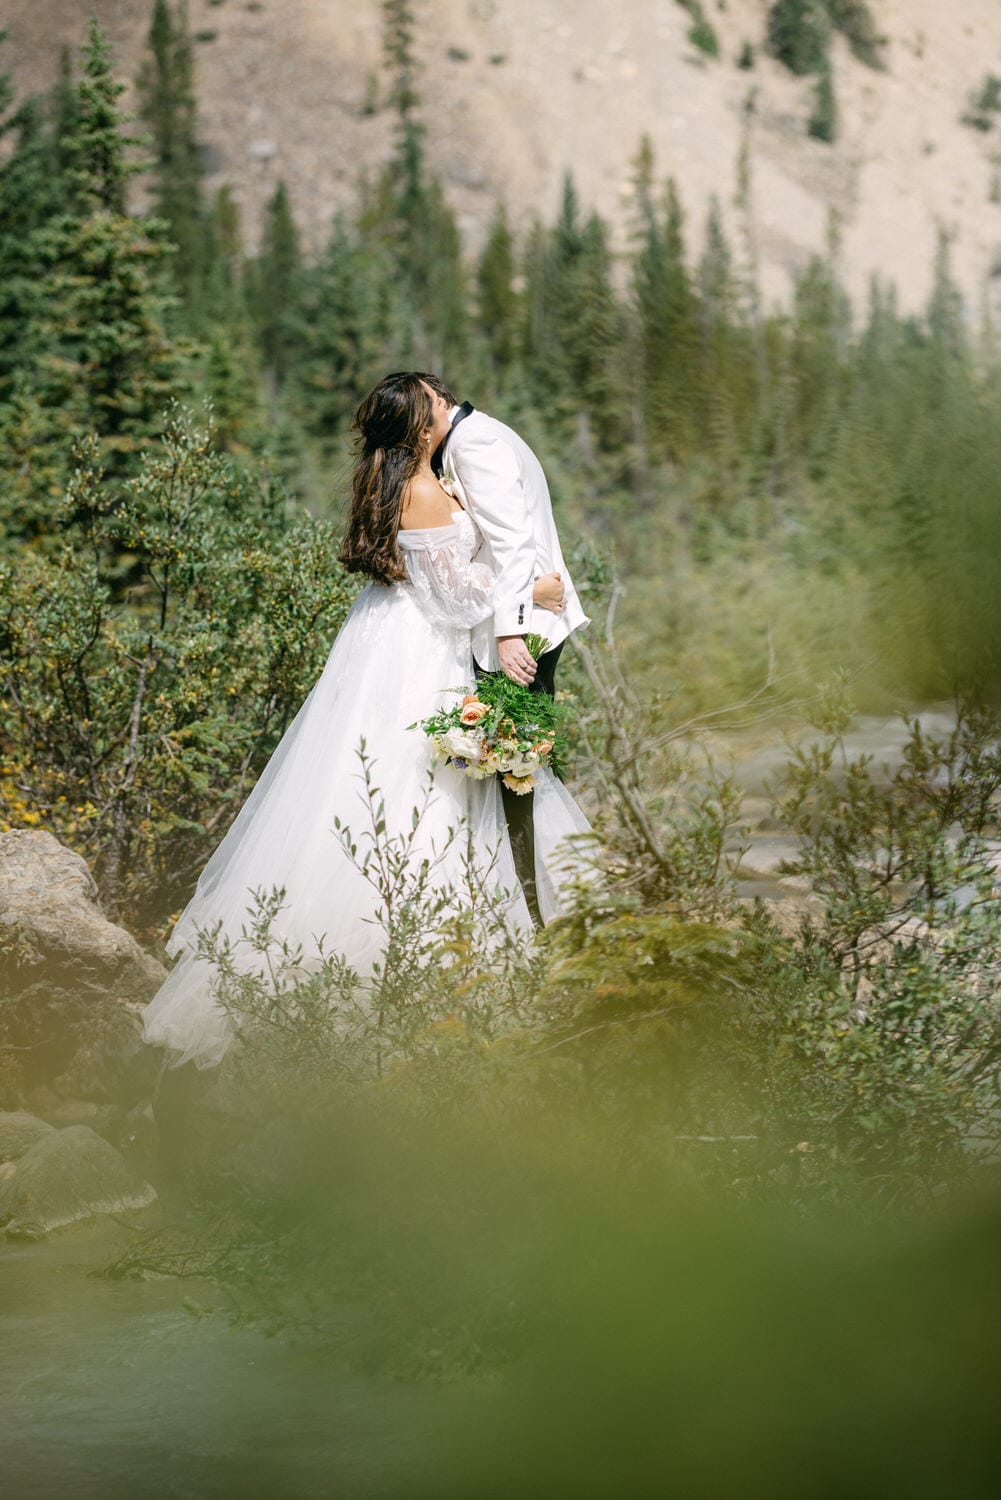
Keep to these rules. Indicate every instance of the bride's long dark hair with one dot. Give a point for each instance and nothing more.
(392, 424)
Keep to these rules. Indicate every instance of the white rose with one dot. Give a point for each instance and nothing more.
(460, 742)
(523, 765)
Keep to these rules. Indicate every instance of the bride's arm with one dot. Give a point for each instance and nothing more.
(449, 588)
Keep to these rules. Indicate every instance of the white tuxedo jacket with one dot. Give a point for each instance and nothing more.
(499, 480)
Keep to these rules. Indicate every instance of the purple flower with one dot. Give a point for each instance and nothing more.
(459, 763)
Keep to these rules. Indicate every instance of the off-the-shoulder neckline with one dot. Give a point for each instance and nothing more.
(423, 530)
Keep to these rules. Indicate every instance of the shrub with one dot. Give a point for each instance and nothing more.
(799, 34)
(823, 123)
(985, 104)
(701, 33)
(131, 724)
(855, 21)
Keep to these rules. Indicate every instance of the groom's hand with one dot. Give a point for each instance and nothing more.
(516, 659)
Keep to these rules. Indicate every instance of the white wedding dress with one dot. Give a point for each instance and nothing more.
(401, 653)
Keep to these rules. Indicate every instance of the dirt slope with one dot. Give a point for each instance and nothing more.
(517, 91)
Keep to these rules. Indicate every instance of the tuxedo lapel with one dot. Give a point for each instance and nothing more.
(438, 456)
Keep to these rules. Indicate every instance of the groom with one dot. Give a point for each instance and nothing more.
(499, 480)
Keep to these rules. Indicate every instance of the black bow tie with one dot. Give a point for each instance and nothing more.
(438, 456)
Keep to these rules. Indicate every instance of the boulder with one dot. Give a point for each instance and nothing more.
(66, 1177)
(72, 983)
(50, 908)
(18, 1133)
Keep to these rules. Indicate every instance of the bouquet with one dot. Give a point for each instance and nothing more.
(501, 728)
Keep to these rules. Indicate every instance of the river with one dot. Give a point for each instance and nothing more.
(125, 1388)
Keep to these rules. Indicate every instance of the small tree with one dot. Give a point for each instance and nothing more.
(167, 105)
(95, 354)
(275, 284)
(497, 300)
(799, 34)
(823, 123)
(855, 21)
(344, 328)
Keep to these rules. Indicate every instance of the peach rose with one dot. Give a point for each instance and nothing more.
(474, 711)
(544, 747)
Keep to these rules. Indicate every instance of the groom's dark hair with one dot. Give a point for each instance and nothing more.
(438, 386)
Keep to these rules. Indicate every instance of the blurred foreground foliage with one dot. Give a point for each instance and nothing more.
(435, 1172)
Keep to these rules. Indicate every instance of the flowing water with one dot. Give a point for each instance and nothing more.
(128, 1388)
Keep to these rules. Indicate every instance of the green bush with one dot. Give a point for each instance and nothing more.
(701, 33)
(855, 21)
(823, 123)
(131, 725)
(799, 34)
(985, 105)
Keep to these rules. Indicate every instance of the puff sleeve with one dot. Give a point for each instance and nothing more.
(450, 589)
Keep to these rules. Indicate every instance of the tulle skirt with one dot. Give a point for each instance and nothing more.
(389, 667)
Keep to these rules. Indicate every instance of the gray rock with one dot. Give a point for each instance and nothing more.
(18, 1133)
(66, 1177)
(72, 983)
(49, 906)
(765, 857)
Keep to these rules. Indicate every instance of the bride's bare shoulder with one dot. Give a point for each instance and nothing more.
(425, 504)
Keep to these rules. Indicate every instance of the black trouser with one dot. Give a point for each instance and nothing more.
(519, 809)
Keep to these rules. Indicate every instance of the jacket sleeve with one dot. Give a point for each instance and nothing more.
(487, 468)
(450, 590)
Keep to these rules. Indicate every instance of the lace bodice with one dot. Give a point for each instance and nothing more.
(450, 587)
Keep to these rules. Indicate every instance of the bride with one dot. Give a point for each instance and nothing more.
(403, 650)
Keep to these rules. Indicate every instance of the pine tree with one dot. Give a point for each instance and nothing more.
(575, 326)
(167, 105)
(6, 92)
(407, 166)
(799, 34)
(223, 296)
(498, 311)
(65, 113)
(345, 317)
(819, 348)
(823, 122)
(276, 285)
(96, 356)
(97, 148)
(665, 307)
(854, 19)
(405, 217)
(34, 188)
(232, 386)
(726, 373)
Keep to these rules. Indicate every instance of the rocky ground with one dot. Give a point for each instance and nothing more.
(76, 1079)
(517, 93)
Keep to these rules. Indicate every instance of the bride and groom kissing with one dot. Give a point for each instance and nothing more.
(451, 522)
